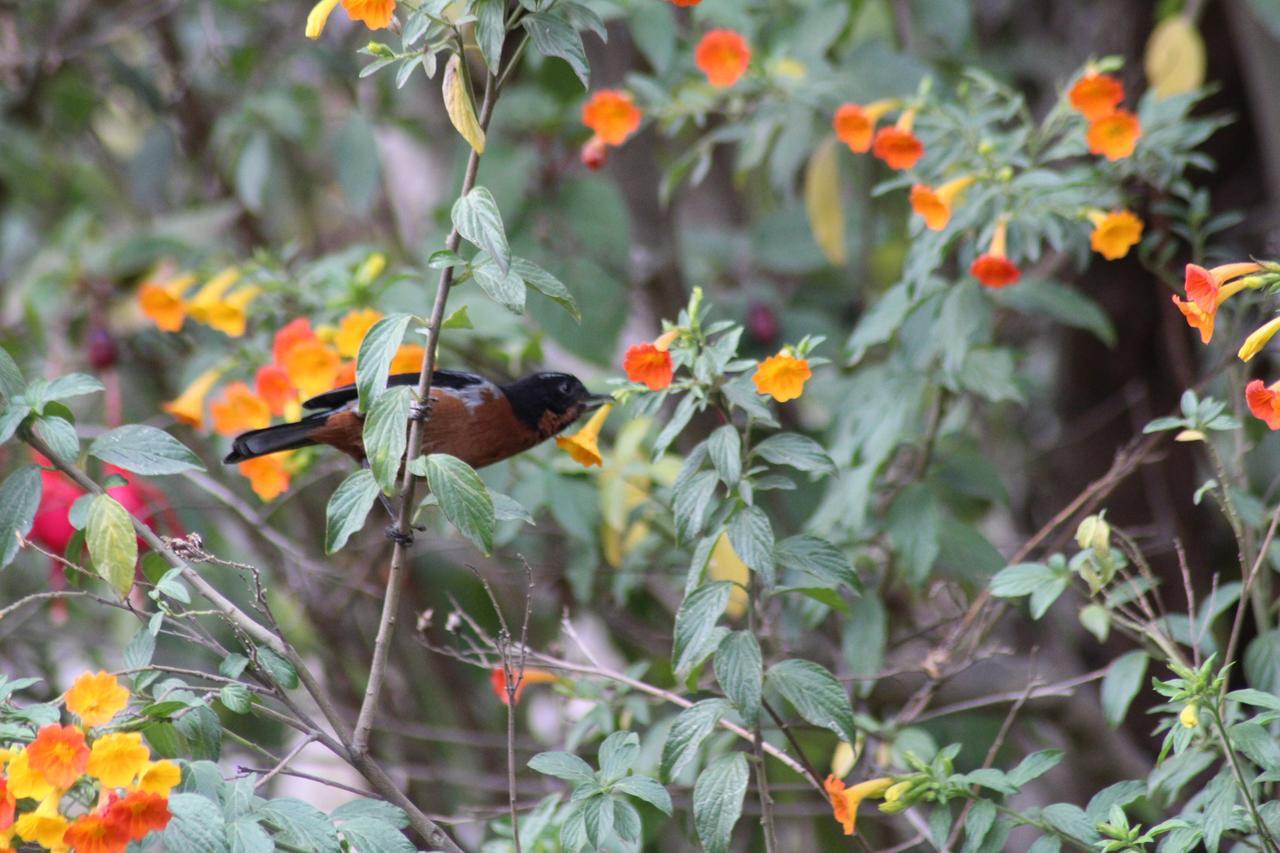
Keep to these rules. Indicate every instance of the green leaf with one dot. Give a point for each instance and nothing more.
(364, 833)
(751, 536)
(978, 824)
(1021, 579)
(195, 826)
(553, 36)
(818, 559)
(477, 219)
(385, 435)
(505, 288)
(597, 820)
(546, 284)
(113, 545)
(696, 636)
(618, 752)
(373, 362)
(201, 731)
(1067, 305)
(724, 446)
(463, 498)
(246, 835)
(1249, 696)
(740, 670)
(301, 825)
(253, 170)
(281, 670)
(11, 417)
(815, 694)
(347, 508)
(688, 732)
(72, 385)
(913, 527)
(1121, 684)
(11, 382)
(19, 500)
(140, 649)
(1071, 821)
(1257, 743)
(563, 765)
(459, 319)
(717, 801)
(692, 504)
(378, 810)
(1043, 596)
(145, 450)
(1034, 765)
(236, 698)
(59, 434)
(490, 30)
(795, 451)
(649, 790)
(1262, 661)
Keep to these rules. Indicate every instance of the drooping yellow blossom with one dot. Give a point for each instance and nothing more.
(843, 759)
(162, 301)
(189, 406)
(1256, 341)
(159, 777)
(352, 329)
(25, 783)
(229, 315)
(726, 565)
(43, 826)
(584, 445)
(211, 293)
(117, 758)
(96, 697)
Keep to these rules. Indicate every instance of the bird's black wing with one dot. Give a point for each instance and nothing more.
(339, 397)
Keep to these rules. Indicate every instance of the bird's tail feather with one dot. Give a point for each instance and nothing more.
(272, 439)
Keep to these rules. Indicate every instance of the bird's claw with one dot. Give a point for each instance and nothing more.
(420, 410)
(393, 533)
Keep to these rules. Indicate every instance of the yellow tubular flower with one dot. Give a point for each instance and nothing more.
(584, 445)
(318, 16)
(1255, 342)
(228, 315)
(44, 826)
(189, 406)
(1190, 716)
(25, 783)
(211, 294)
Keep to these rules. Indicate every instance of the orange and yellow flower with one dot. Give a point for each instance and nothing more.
(1095, 95)
(408, 359)
(239, 409)
(722, 55)
(44, 825)
(896, 145)
(498, 681)
(1207, 289)
(352, 329)
(117, 758)
(96, 833)
(138, 812)
(1258, 339)
(1264, 402)
(782, 376)
(584, 445)
(845, 800)
(59, 754)
(24, 782)
(612, 114)
(159, 777)
(188, 407)
(288, 336)
(1114, 233)
(312, 366)
(272, 384)
(8, 804)
(161, 301)
(993, 268)
(934, 206)
(649, 365)
(268, 476)
(374, 14)
(855, 124)
(96, 697)
(1114, 136)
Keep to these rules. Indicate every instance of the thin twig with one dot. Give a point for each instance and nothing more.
(284, 762)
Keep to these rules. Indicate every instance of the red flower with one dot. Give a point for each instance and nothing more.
(138, 812)
(95, 833)
(1096, 95)
(897, 146)
(649, 365)
(498, 680)
(723, 56)
(612, 115)
(993, 269)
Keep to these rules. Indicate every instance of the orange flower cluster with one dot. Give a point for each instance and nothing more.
(305, 361)
(896, 145)
(722, 55)
(132, 790)
(1113, 132)
(218, 304)
(374, 14)
(612, 116)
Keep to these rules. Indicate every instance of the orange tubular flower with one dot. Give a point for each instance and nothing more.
(993, 269)
(375, 14)
(59, 754)
(292, 333)
(498, 680)
(897, 146)
(95, 833)
(1264, 402)
(352, 329)
(45, 826)
(408, 359)
(782, 376)
(273, 386)
(189, 406)
(1197, 318)
(267, 476)
(239, 409)
(934, 206)
(649, 365)
(312, 366)
(612, 115)
(162, 301)
(855, 124)
(117, 758)
(1095, 96)
(1114, 136)
(1114, 233)
(346, 374)
(1207, 289)
(723, 56)
(137, 813)
(845, 801)
(584, 445)
(96, 697)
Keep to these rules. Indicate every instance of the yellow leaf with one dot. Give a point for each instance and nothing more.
(822, 200)
(458, 103)
(1175, 58)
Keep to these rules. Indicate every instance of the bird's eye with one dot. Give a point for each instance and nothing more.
(566, 388)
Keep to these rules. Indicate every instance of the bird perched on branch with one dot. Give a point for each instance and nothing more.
(469, 417)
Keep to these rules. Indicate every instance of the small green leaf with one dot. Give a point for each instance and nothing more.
(717, 801)
(236, 698)
(11, 381)
(464, 499)
(113, 544)
(553, 36)
(1121, 684)
(59, 434)
(505, 288)
(72, 385)
(19, 500)
(477, 219)
(740, 670)
(795, 451)
(751, 536)
(1021, 579)
(696, 636)
(373, 362)
(563, 765)
(688, 732)
(385, 435)
(546, 284)
(618, 752)
(282, 671)
(348, 506)
(724, 446)
(815, 694)
(649, 790)
(145, 450)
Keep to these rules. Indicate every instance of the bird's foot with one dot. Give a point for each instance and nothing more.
(393, 533)
(420, 410)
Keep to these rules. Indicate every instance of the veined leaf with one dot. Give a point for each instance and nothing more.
(459, 106)
(113, 545)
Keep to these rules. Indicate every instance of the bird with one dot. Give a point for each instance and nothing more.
(478, 421)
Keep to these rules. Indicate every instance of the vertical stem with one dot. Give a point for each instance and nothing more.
(1268, 843)
(757, 749)
(511, 757)
(399, 554)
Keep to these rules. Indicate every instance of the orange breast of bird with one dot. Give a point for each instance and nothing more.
(475, 424)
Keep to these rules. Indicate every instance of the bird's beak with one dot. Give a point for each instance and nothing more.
(595, 401)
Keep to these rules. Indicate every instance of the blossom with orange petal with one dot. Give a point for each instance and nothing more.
(594, 153)
(188, 407)
(138, 812)
(934, 206)
(1197, 318)
(268, 476)
(59, 754)
(312, 366)
(408, 359)
(845, 800)
(238, 409)
(161, 301)
(993, 268)
(722, 55)
(686, 2)
(96, 697)
(1096, 95)
(1264, 402)
(272, 385)
(8, 805)
(647, 364)
(612, 114)
(352, 329)
(374, 14)
(346, 375)
(498, 680)
(584, 445)
(290, 335)
(1207, 289)
(95, 833)
(24, 782)
(896, 145)
(1114, 136)
(1114, 233)
(117, 758)
(855, 124)
(782, 376)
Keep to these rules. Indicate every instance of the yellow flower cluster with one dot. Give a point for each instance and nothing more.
(218, 304)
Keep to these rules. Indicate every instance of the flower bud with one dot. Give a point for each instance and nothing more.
(594, 153)
(1095, 533)
(1190, 716)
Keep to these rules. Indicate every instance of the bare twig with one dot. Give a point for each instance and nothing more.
(284, 762)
